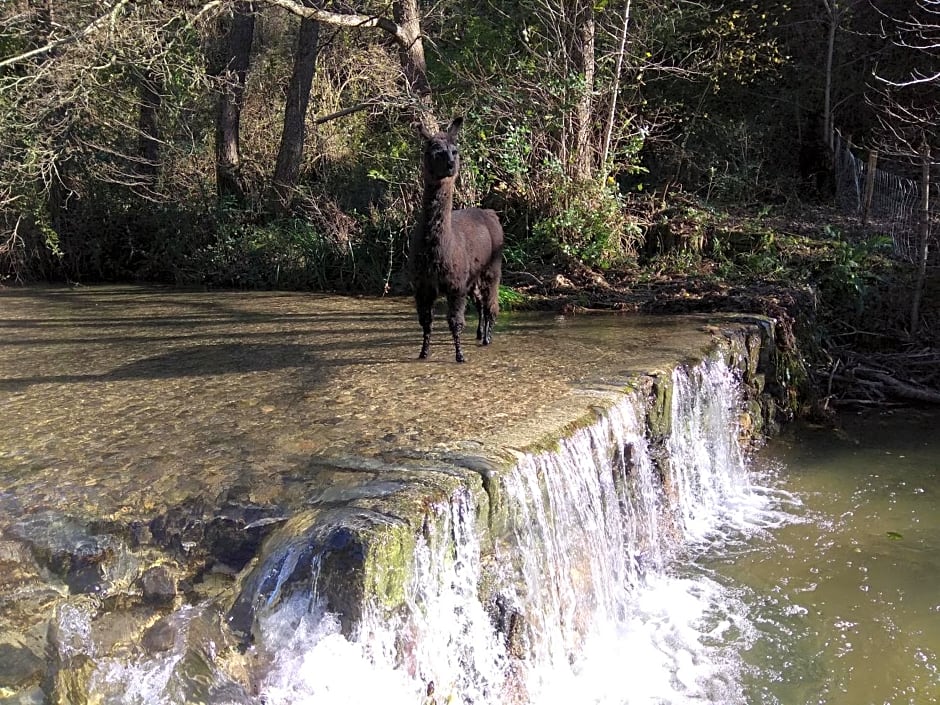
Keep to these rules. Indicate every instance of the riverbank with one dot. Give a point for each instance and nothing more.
(840, 299)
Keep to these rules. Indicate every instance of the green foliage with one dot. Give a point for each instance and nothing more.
(702, 105)
(511, 300)
(850, 269)
(587, 222)
(499, 159)
(293, 253)
(288, 254)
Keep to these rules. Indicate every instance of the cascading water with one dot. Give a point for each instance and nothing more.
(595, 537)
(582, 598)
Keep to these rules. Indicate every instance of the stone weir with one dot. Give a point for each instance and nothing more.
(165, 451)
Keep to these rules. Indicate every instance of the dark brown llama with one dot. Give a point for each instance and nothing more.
(453, 253)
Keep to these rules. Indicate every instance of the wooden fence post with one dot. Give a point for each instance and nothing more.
(869, 185)
(924, 231)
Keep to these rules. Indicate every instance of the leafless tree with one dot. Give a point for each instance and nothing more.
(908, 106)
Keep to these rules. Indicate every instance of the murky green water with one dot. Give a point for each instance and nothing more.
(845, 603)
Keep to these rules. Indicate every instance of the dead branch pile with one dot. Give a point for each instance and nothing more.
(876, 379)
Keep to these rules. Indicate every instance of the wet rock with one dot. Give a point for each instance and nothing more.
(659, 408)
(158, 584)
(28, 696)
(510, 624)
(193, 644)
(139, 533)
(234, 535)
(70, 649)
(330, 551)
(67, 548)
(16, 564)
(19, 667)
(182, 528)
(68, 684)
(160, 637)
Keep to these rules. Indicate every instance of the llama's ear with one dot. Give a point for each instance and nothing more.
(422, 129)
(454, 127)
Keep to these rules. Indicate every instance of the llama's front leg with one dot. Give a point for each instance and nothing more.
(424, 301)
(478, 304)
(456, 305)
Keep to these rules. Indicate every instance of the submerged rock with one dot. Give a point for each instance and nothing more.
(19, 667)
(158, 584)
(67, 548)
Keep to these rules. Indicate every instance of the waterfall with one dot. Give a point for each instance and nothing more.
(580, 599)
(596, 528)
(707, 475)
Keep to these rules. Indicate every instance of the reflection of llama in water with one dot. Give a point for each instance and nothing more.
(453, 253)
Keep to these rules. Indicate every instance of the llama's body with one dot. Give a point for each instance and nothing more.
(454, 254)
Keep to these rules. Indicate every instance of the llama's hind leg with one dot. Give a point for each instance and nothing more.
(489, 308)
(424, 301)
(456, 305)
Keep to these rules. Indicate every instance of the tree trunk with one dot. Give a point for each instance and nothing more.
(150, 92)
(234, 71)
(615, 89)
(834, 15)
(413, 64)
(583, 30)
(291, 151)
(404, 27)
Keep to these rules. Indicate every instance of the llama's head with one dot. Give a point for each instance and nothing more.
(441, 157)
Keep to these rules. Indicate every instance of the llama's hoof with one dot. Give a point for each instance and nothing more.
(461, 358)
(423, 355)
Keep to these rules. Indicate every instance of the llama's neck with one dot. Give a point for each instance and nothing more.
(438, 204)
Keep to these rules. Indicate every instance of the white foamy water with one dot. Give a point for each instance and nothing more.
(593, 574)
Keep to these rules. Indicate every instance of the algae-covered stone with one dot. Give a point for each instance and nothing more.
(659, 418)
(388, 566)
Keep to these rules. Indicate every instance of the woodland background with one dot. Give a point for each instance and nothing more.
(270, 143)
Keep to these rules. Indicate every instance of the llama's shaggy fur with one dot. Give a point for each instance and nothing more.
(453, 253)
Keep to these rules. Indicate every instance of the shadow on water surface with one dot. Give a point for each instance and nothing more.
(226, 359)
(205, 360)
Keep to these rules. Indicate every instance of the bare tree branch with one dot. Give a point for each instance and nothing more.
(107, 18)
(342, 19)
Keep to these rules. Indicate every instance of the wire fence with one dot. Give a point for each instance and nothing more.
(894, 205)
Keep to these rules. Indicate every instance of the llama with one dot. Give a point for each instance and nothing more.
(453, 253)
